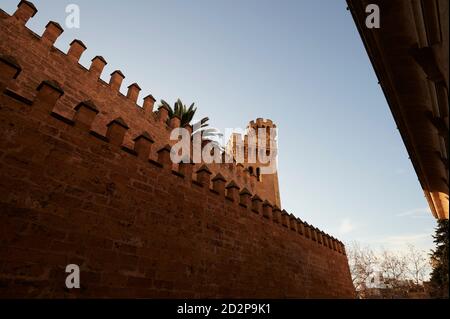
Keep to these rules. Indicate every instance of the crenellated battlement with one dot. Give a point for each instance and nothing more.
(93, 169)
(250, 138)
(26, 10)
(85, 84)
(78, 82)
(43, 108)
(261, 123)
(82, 84)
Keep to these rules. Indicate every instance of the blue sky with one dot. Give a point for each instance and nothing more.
(342, 164)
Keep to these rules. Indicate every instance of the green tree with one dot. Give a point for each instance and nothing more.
(439, 261)
(186, 114)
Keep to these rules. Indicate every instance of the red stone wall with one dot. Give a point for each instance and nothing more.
(136, 228)
(42, 61)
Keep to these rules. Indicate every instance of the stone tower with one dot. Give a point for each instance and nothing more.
(259, 149)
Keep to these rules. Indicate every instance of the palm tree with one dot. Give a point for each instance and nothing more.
(182, 111)
(186, 114)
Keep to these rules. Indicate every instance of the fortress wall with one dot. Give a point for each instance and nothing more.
(76, 188)
(137, 228)
(40, 60)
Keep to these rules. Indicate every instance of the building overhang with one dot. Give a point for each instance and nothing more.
(409, 53)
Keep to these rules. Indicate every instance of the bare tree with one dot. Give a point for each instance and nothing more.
(393, 267)
(387, 273)
(418, 264)
(362, 263)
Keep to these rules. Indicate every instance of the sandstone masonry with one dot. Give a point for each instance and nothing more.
(86, 178)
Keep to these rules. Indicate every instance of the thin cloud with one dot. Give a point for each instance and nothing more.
(401, 242)
(422, 212)
(406, 239)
